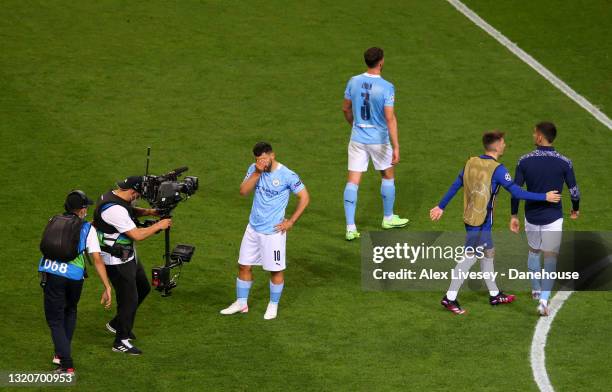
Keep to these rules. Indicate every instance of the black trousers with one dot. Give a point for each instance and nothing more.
(131, 288)
(61, 298)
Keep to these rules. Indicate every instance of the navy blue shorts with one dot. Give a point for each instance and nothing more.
(479, 236)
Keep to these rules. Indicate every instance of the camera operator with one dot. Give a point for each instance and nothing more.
(115, 219)
(62, 281)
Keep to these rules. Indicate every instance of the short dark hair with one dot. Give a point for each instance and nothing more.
(488, 138)
(373, 56)
(262, 148)
(548, 130)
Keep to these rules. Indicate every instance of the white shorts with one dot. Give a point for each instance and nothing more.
(546, 238)
(267, 250)
(359, 155)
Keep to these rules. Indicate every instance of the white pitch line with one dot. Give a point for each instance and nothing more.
(538, 344)
(533, 63)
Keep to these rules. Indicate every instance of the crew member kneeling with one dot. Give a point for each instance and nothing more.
(115, 220)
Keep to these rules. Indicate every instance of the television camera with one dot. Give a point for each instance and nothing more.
(164, 193)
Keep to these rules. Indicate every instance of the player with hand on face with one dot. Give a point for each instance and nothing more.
(265, 237)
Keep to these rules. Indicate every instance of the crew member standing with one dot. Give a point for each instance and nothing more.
(115, 220)
(62, 276)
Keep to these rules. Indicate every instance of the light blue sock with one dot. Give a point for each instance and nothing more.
(387, 190)
(350, 202)
(242, 289)
(550, 265)
(275, 292)
(533, 264)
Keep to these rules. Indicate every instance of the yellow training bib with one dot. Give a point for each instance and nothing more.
(477, 177)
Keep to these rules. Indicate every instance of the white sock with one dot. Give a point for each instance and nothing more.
(242, 301)
(388, 217)
(456, 283)
(544, 302)
(351, 227)
(486, 265)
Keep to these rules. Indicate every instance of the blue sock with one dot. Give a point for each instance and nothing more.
(275, 292)
(242, 289)
(350, 202)
(550, 265)
(533, 264)
(387, 190)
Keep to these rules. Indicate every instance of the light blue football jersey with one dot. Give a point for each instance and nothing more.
(369, 95)
(271, 197)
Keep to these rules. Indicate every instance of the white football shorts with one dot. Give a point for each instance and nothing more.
(546, 238)
(359, 155)
(266, 250)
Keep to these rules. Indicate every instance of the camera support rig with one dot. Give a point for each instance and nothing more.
(162, 278)
(164, 194)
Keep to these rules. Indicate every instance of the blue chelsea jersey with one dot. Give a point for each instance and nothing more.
(369, 95)
(500, 178)
(271, 197)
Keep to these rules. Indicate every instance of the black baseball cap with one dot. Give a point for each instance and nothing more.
(132, 182)
(76, 200)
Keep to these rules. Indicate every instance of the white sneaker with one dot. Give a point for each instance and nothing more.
(236, 307)
(543, 309)
(271, 311)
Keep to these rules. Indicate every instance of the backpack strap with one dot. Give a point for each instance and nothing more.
(85, 228)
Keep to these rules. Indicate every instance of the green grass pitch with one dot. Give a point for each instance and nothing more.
(86, 86)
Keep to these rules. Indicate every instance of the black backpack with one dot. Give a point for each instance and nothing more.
(60, 240)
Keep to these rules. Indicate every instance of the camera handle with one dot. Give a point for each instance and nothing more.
(165, 292)
(167, 246)
(167, 261)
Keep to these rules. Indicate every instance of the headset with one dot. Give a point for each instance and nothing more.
(81, 195)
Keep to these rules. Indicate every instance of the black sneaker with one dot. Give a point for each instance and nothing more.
(113, 330)
(126, 347)
(452, 306)
(501, 298)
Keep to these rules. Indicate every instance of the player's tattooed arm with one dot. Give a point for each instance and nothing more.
(347, 108)
(393, 133)
(303, 200)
